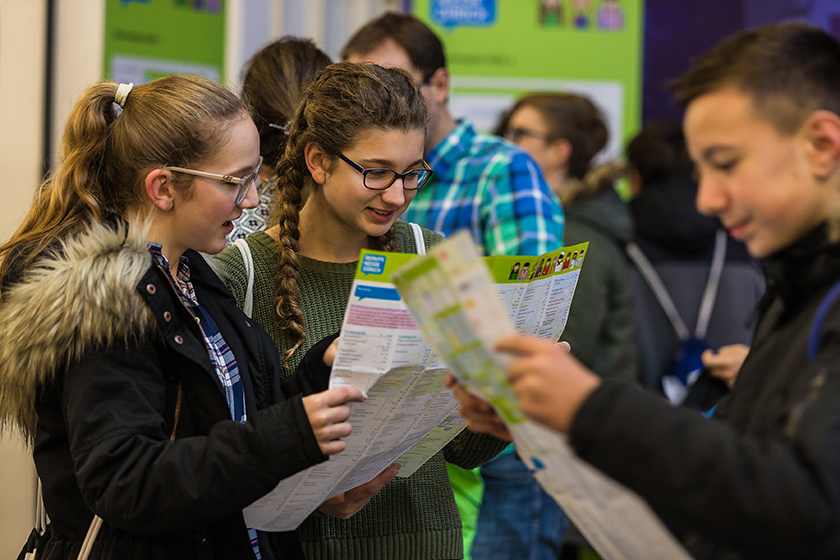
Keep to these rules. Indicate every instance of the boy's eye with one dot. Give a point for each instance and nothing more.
(725, 166)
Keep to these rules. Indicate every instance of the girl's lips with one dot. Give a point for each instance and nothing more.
(381, 215)
(228, 226)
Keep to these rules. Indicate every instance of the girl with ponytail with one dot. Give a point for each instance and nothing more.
(155, 412)
(352, 164)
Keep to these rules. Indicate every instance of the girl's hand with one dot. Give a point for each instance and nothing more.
(349, 503)
(481, 418)
(328, 412)
(725, 364)
(549, 383)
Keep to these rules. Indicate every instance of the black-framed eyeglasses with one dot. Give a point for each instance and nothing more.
(516, 134)
(243, 182)
(380, 178)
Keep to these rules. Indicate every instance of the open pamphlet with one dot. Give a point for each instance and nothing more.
(455, 300)
(409, 415)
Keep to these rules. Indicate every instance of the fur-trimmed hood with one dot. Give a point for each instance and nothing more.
(78, 297)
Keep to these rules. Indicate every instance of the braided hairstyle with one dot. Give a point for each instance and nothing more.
(345, 101)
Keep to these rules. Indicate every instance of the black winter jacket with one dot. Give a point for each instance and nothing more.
(96, 342)
(761, 479)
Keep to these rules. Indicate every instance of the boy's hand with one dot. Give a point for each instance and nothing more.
(549, 383)
(328, 412)
(725, 364)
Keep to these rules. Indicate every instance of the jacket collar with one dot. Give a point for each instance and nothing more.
(806, 266)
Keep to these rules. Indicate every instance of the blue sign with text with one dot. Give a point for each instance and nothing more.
(450, 13)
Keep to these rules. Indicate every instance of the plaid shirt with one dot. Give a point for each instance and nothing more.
(494, 189)
(221, 356)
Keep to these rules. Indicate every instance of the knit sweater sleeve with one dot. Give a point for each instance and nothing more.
(469, 449)
(231, 269)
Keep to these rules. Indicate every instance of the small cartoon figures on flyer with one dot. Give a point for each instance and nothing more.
(547, 268)
(568, 261)
(523, 274)
(537, 269)
(579, 260)
(558, 262)
(514, 272)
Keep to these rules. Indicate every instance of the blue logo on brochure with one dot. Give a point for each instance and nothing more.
(373, 264)
(450, 13)
(389, 294)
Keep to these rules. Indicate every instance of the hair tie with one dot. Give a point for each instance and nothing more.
(122, 94)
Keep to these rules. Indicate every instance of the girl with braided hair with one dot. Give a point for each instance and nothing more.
(352, 164)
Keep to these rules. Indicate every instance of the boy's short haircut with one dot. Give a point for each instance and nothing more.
(424, 49)
(790, 70)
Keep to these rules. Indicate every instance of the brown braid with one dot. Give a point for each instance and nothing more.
(387, 242)
(343, 102)
(286, 216)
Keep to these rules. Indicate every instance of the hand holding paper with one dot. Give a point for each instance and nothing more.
(468, 317)
(481, 418)
(328, 413)
(349, 503)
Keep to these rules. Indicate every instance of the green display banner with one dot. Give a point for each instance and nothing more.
(147, 39)
(498, 50)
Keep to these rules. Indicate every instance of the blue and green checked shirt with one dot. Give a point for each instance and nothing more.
(492, 188)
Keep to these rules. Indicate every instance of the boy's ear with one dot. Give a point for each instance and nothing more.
(634, 181)
(159, 189)
(439, 85)
(822, 133)
(317, 162)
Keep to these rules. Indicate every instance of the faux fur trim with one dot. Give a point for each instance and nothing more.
(70, 301)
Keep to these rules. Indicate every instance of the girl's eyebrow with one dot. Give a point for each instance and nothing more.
(242, 171)
(389, 163)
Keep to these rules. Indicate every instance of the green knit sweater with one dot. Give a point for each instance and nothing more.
(411, 518)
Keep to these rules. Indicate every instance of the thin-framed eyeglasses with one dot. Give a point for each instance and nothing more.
(243, 182)
(516, 134)
(380, 178)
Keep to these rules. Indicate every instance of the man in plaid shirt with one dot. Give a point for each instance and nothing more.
(480, 182)
(497, 191)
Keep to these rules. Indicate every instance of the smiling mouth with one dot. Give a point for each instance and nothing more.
(737, 230)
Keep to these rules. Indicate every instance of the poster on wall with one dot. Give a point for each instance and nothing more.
(147, 39)
(498, 50)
